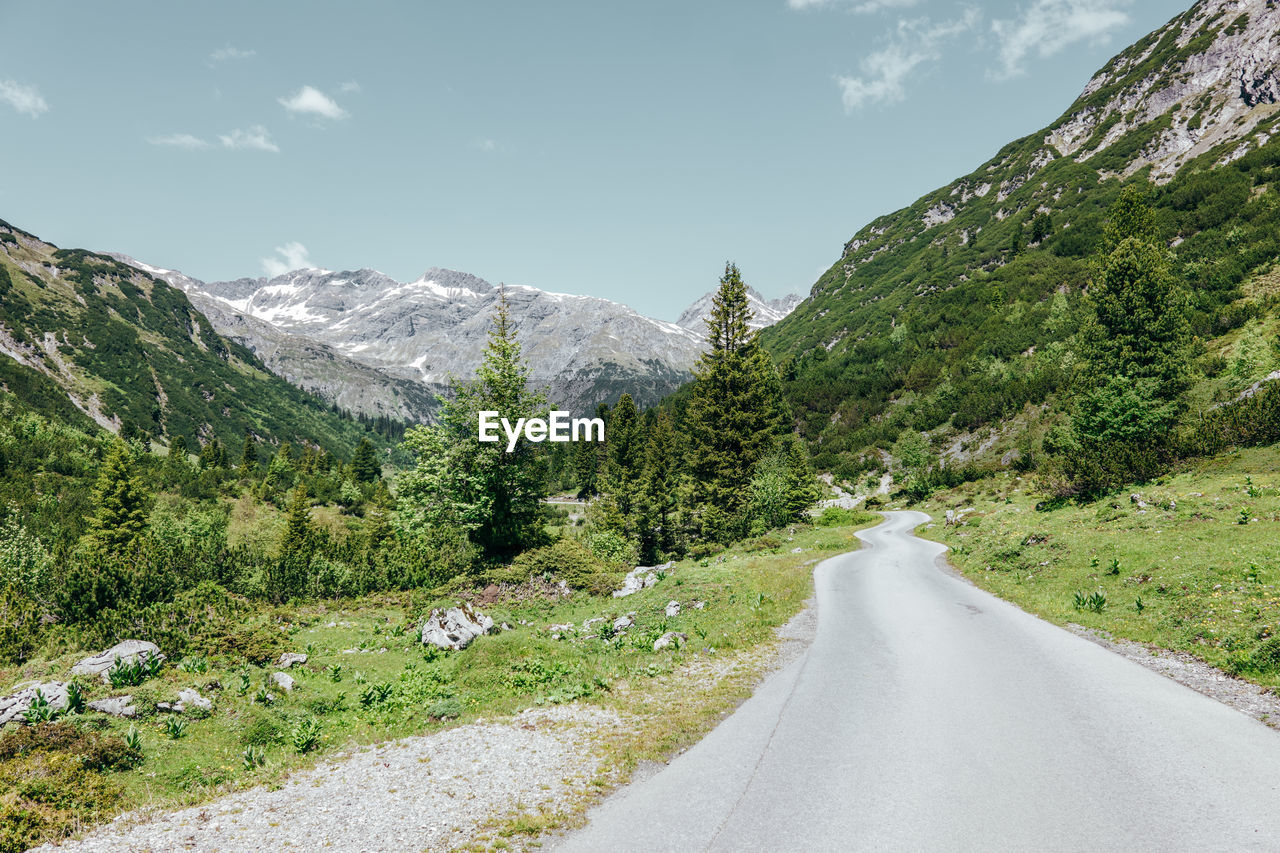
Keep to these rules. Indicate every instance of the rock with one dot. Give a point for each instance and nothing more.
(283, 680)
(14, 706)
(586, 626)
(560, 630)
(622, 623)
(669, 639)
(288, 659)
(641, 577)
(455, 628)
(797, 550)
(673, 608)
(128, 652)
(116, 706)
(951, 518)
(189, 698)
(699, 605)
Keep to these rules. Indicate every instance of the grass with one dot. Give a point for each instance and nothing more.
(1187, 563)
(368, 679)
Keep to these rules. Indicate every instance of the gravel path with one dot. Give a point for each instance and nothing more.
(431, 792)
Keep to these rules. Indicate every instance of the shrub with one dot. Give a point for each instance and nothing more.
(834, 516)
(306, 735)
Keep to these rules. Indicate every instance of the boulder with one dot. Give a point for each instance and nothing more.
(641, 577)
(561, 629)
(288, 659)
(586, 626)
(283, 680)
(622, 623)
(189, 698)
(673, 608)
(455, 628)
(127, 652)
(671, 638)
(14, 706)
(116, 706)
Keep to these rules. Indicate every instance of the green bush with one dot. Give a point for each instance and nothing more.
(834, 516)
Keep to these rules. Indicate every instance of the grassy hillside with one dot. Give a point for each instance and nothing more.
(1186, 563)
(957, 312)
(87, 339)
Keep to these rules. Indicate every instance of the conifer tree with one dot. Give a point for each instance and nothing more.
(478, 486)
(121, 501)
(625, 455)
(659, 495)
(248, 454)
(299, 531)
(735, 413)
(364, 464)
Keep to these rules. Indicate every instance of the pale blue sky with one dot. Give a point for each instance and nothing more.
(624, 150)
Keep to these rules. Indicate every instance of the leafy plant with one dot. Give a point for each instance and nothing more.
(174, 727)
(335, 673)
(1138, 605)
(1114, 568)
(75, 698)
(1245, 516)
(245, 683)
(306, 735)
(39, 711)
(1094, 601)
(133, 740)
(193, 663)
(263, 697)
(253, 757)
(375, 694)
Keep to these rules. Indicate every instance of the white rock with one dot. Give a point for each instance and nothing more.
(622, 623)
(14, 706)
(189, 698)
(670, 638)
(673, 608)
(116, 706)
(641, 577)
(455, 628)
(288, 659)
(127, 651)
(283, 680)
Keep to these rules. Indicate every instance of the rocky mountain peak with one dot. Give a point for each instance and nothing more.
(764, 312)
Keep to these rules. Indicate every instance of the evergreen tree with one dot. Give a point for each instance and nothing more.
(213, 455)
(589, 458)
(625, 455)
(248, 454)
(802, 485)
(364, 464)
(735, 412)
(478, 486)
(659, 496)
(121, 502)
(1136, 349)
(299, 531)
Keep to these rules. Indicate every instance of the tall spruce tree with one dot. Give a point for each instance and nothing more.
(121, 501)
(364, 464)
(735, 413)
(478, 486)
(659, 494)
(625, 461)
(1136, 351)
(248, 454)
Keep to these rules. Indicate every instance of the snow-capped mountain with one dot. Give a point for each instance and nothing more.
(764, 312)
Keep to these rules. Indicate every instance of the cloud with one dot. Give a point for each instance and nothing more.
(865, 7)
(350, 86)
(255, 138)
(24, 99)
(179, 140)
(223, 54)
(311, 101)
(886, 71)
(292, 256)
(486, 145)
(1047, 26)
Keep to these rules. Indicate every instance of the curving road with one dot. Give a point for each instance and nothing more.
(929, 715)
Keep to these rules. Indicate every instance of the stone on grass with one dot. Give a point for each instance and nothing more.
(288, 659)
(283, 680)
(622, 623)
(14, 706)
(128, 651)
(561, 629)
(116, 706)
(673, 608)
(641, 577)
(455, 628)
(671, 638)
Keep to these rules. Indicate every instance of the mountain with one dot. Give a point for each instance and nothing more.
(954, 314)
(86, 339)
(417, 335)
(764, 312)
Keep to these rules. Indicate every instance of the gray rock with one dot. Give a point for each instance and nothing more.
(673, 608)
(559, 630)
(641, 577)
(283, 680)
(127, 652)
(189, 698)
(288, 659)
(670, 638)
(14, 706)
(586, 626)
(622, 623)
(116, 706)
(455, 628)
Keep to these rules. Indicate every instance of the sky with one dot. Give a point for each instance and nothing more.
(622, 150)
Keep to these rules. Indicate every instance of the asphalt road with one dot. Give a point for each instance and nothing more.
(929, 715)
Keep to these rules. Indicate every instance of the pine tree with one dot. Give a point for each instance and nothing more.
(248, 455)
(478, 486)
(1136, 348)
(213, 455)
(364, 464)
(659, 496)
(299, 531)
(735, 413)
(802, 485)
(625, 455)
(121, 502)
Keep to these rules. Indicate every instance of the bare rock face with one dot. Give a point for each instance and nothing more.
(14, 706)
(764, 312)
(455, 628)
(116, 706)
(128, 651)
